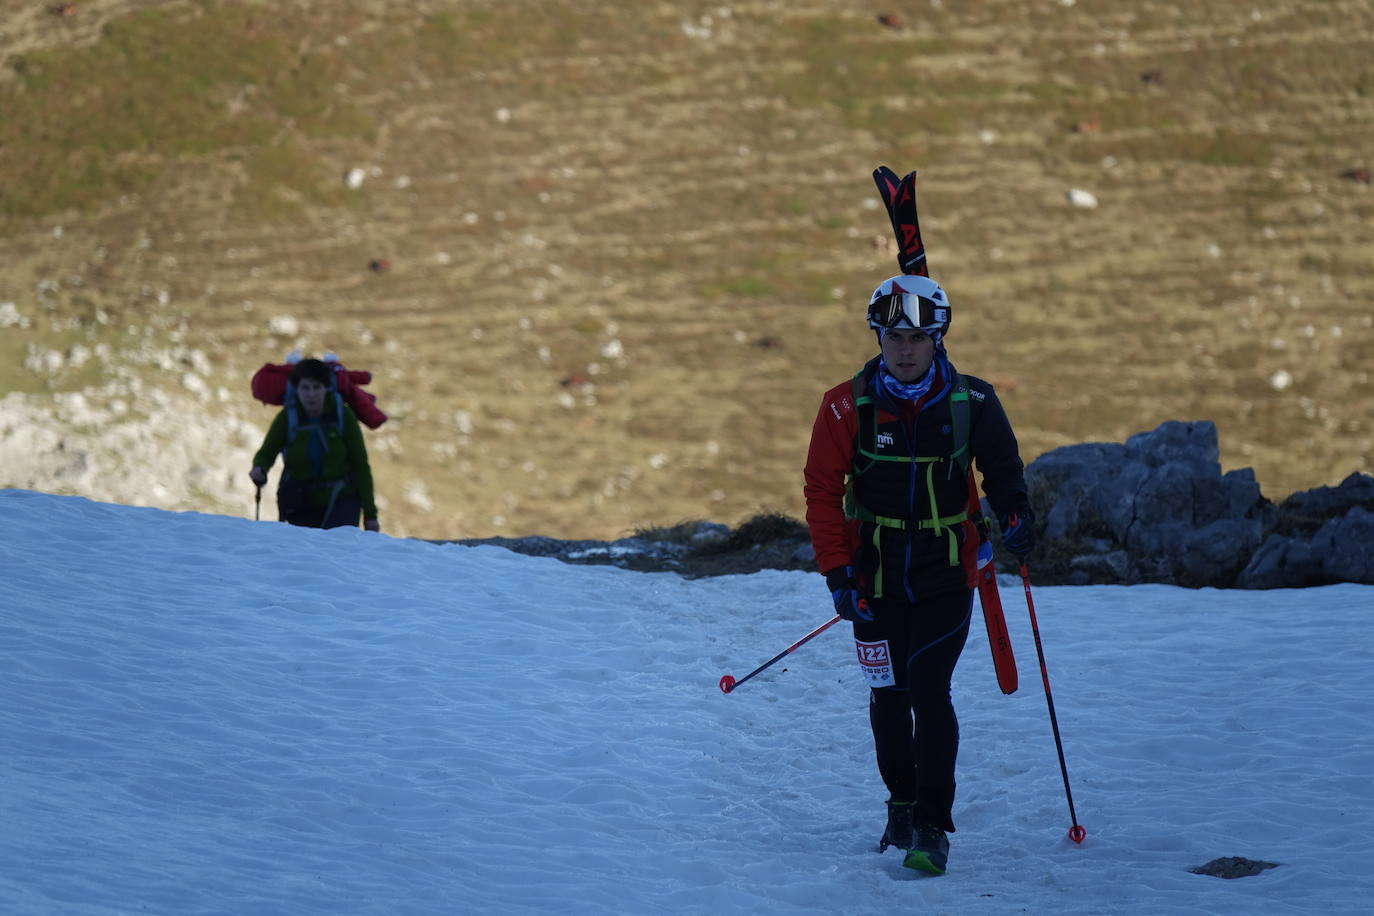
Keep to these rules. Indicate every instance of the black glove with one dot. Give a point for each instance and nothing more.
(1018, 532)
(844, 591)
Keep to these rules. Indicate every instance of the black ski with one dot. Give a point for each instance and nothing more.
(899, 194)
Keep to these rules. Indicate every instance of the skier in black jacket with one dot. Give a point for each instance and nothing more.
(889, 489)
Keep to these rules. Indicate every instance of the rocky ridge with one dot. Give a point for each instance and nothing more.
(1155, 509)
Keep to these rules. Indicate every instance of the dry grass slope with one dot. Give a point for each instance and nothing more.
(629, 245)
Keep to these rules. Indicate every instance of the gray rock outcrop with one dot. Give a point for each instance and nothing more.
(1157, 508)
(1341, 549)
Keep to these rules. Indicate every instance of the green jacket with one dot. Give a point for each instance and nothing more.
(343, 454)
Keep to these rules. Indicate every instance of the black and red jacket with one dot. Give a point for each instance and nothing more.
(919, 543)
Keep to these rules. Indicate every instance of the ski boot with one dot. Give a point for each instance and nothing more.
(898, 832)
(929, 850)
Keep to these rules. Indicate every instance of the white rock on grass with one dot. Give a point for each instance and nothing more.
(1281, 380)
(1083, 199)
(43, 361)
(196, 385)
(418, 496)
(10, 317)
(354, 178)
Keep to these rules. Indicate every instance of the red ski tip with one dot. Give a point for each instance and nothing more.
(727, 684)
(1077, 833)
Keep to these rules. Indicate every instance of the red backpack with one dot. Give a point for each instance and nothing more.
(270, 385)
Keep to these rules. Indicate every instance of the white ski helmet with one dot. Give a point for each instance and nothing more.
(909, 302)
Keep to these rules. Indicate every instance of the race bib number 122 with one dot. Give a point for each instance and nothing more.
(876, 663)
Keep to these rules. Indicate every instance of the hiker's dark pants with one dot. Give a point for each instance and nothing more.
(915, 730)
(345, 513)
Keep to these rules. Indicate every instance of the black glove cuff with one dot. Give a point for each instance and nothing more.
(841, 577)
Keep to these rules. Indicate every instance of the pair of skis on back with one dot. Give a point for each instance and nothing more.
(899, 194)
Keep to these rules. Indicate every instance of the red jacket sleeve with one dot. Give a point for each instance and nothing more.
(828, 462)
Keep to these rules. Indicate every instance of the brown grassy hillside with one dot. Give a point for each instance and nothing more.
(628, 244)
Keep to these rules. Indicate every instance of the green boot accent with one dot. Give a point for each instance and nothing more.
(929, 852)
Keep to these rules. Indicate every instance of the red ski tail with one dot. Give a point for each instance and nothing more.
(1003, 659)
(991, 600)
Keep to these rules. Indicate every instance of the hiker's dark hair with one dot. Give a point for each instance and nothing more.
(312, 369)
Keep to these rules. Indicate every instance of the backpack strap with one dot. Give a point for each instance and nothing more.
(293, 420)
(338, 395)
(868, 422)
(959, 420)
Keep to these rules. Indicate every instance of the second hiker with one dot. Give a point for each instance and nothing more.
(326, 481)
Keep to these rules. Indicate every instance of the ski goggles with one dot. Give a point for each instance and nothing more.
(919, 311)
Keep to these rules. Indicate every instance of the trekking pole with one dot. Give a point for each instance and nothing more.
(257, 504)
(728, 683)
(1076, 832)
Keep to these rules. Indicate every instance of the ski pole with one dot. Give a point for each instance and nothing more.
(257, 504)
(1076, 832)
(728, 683)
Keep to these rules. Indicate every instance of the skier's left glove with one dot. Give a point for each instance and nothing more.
(1018, 532)
(844, 591)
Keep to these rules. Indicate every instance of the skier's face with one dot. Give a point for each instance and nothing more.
(907, 353)
(311, 395)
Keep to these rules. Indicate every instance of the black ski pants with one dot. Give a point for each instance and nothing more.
(344, 513)
(915, 729)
